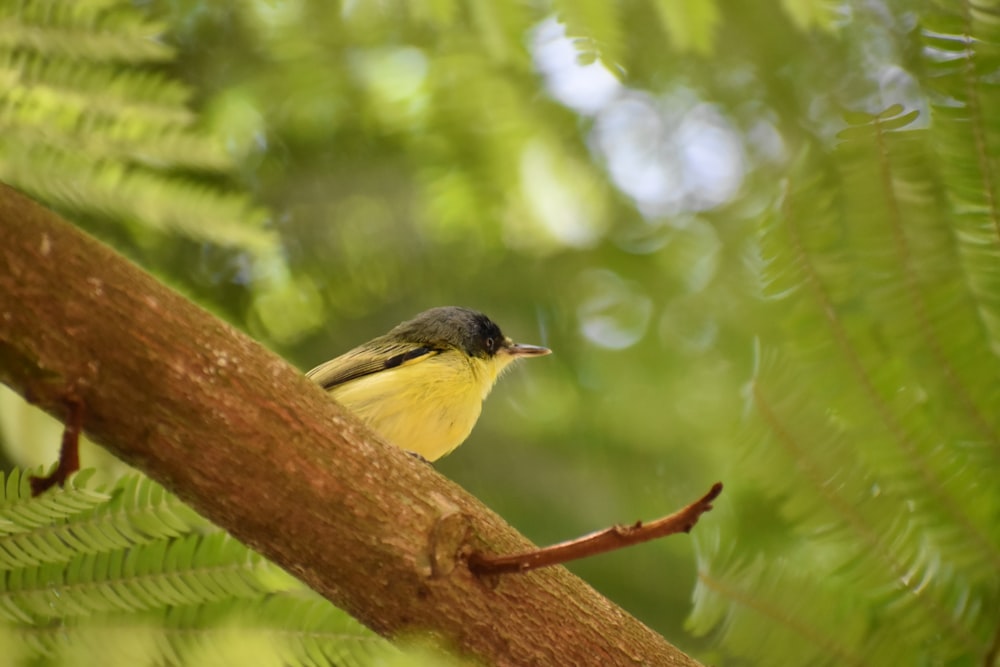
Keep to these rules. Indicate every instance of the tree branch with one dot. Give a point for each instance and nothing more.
(616, 537)
(69, 450)
(258, 449)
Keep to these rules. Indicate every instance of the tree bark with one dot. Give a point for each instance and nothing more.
(258, 449)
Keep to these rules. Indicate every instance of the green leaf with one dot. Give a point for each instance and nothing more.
(690, 24)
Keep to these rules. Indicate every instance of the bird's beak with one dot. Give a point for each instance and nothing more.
(518, 350)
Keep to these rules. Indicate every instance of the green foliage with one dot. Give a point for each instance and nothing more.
(19, 516)
(91, 123)
(764, 246)
(139, 512)
(880, 472)
(132, 567)
(690, 23)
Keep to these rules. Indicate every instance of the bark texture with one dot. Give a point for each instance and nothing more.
(254, 446)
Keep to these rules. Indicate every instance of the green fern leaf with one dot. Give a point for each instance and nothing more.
(91, 29)
(136, 512)
(961, 48)
(135, 569)
(691, 24)
(596, 29)
(862, 474)
(302, 627)
(19, 512)
(87, 127)
(192, 570)
(287, 629)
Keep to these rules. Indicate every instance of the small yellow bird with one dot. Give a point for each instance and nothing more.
(422, 385)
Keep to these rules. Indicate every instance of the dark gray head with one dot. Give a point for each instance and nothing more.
(462, 328)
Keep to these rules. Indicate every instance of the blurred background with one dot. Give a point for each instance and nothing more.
(761, 239)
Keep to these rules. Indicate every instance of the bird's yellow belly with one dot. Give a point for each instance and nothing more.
(428, 413)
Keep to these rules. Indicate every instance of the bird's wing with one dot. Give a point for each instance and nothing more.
(365, 361)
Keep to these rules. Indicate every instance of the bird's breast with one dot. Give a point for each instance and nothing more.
(428, 407)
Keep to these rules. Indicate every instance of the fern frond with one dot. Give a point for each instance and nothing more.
(303, 628)
(138, 511)
(893, 214)
(898, 211)
(961, 48)
(934, 476)
(869, 465)
(809, 14)
(140, 508)
(691, 24)
(769, 606)
(91, 29)
(127, 115)
(756, 625)
(137, 570)
(107, 86)
(853, 522)
(595, 28)
(295, 628)
(89, 126)
(20, 513)
(193, 570)
(839, 575)
(142, 197)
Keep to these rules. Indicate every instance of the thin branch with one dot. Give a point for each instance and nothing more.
(610, 539)
(69, 451)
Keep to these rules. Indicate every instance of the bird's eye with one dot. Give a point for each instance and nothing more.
(489, 344)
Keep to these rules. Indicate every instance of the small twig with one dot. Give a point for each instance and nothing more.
(610, 539)
(69, 452)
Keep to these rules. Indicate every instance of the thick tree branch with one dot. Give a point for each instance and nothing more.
(257, 448)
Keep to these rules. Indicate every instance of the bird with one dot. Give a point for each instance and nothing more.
(421, 386)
